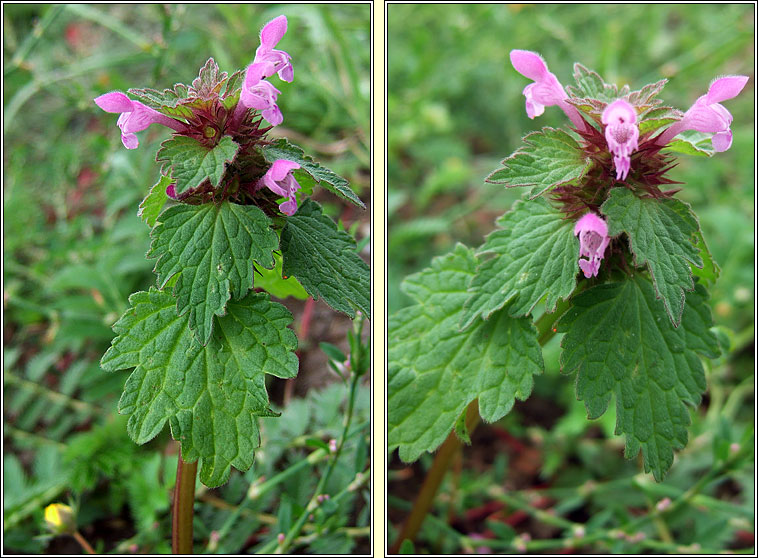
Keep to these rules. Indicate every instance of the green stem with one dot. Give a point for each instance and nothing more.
(435, 475)
(184, 504)
(313, 503)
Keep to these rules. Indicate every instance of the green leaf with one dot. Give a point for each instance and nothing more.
(209, 81)
(192, 163)
(271, 280)
(657, 118)
(435, 370)
(661, 235)
(620, 343)
(645, 97)
(550, 158)
(169, 101)
(153, 203)
(211, 395)
(212, 247)
(590, 85)
(691, 142)
(536, 254)
(325, 261)
(710, 270)
(282, 149)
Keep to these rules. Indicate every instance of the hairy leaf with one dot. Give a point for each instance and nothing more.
(192, 163)
(691, 142)
(549, 158)
(325, 261)
(209, 81)
(536, 254)
(619, 342)
(590, 85)
(282, 149)
(212, 248)
(661, 235)
(435, 370)
(211, 395)
(153, 203)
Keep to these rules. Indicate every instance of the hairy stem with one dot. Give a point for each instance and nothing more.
(184, 502)
(435, 475)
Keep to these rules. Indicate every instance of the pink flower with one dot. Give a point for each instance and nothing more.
(279, 179)
(621, 133)
(259, 94)
(276, 61)
(707, 115)
(546, 90)
(135, 116)
(593, 240)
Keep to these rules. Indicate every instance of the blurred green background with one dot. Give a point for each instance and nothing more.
(455, 109)
(74, 249)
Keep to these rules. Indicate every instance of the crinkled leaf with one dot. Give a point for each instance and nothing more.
(620, 342)
(282, 149)
(273, 281)
(435, 370)
(209, 81)
(645, 96)
(153, 203)
(160, 100)
(233, 84)
(657, 118)
(691, 142)
(710, 270)
(548, 159)
(661, 235)
(191, 163)
(212, 247)
(536, 254)
(211, 395)
(590, 85)
(325, 260)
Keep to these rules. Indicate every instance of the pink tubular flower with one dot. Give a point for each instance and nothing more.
(707, 115)
(621, 133)
(135, 116)
(593, 240)
(546, 90)
(279, 179)
(276, 61)
(259, 94)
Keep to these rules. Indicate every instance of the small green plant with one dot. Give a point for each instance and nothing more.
(603, 244)
(230, 202)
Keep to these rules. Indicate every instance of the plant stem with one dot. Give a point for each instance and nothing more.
(184, 502)
(433, 479)
(83, 543)
(435, 475)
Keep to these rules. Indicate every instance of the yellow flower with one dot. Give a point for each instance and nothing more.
(60, 519)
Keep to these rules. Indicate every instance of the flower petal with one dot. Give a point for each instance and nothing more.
(130, 141)
(725, 88)
(115, 101)
(529, 64)
(722, 141)
(273, 32)
(281, 168)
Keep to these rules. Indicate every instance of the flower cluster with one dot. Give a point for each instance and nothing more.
(618, 123)
(256, 93)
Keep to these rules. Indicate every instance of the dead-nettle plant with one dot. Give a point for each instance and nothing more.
(231, 205)
(601, 239)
